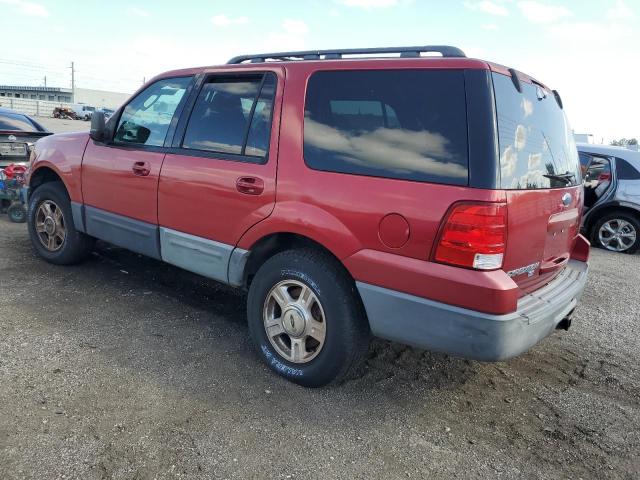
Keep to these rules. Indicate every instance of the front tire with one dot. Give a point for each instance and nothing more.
(306, 319)
(618, 232)
(51, 228)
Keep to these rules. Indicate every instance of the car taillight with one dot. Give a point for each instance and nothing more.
(474, 235)
(604, 176)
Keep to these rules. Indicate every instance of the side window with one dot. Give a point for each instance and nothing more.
(232, 115)
(403, 124)
(146, 119)
(625, 170)
(599, 170)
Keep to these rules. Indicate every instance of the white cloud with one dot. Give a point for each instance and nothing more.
(486, 6)
(621, 11)
(27, 8)
(527, 107)
(369, 3)
(295, 27)
(489, 26)
(224, 21)
(537, 12)
(291, 36)
(139, 12)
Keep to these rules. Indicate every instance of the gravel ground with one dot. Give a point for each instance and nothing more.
(57, 125)
(124, 367)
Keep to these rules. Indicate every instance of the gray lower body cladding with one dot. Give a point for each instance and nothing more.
(209, 258)
(436, 326)
(215, 260)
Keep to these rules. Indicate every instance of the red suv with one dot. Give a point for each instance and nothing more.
(434, 201)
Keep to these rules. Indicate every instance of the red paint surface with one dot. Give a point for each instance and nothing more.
(199, 195)
(62, 153)
(109, 182)
(394, 230)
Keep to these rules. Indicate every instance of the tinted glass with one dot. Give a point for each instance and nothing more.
(259, 132)
(537, 149)
(10, 121)
(146, 119)
(626, 171)
(404, 124)
(222, 116)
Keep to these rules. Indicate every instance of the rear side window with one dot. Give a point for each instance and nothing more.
(626, 171)
(232, 115)
(537, 149)
(10, 121)
(403, 124)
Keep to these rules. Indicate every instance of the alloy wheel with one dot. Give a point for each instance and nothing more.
(50, 225)
(294, 321)
(617, 235)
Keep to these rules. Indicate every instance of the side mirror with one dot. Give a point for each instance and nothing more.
(98, 130)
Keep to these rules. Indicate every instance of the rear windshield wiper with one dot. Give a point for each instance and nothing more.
(563, 177)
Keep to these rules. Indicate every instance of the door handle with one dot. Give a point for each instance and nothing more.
(250, 185)
(141, 169)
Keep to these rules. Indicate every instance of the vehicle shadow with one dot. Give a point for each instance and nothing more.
(387, 363)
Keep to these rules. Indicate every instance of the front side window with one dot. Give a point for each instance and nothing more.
(232, 115)
(146, 119)
(403, 124)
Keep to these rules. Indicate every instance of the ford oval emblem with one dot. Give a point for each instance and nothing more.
(12, 138)
(566, 199)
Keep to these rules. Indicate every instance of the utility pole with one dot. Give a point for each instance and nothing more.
(73, 83)
(45, 81)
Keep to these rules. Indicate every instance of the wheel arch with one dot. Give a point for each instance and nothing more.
(273, 243)
(45, 174)
(606, 209)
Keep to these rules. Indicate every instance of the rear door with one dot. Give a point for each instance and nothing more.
(540, 172)
(220, 177)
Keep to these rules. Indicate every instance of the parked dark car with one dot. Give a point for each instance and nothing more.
(18, 132)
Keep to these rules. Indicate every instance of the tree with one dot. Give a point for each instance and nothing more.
(623, 142)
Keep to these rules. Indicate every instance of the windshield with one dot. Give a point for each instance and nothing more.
(537, 149)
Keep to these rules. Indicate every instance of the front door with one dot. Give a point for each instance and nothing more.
(220, 177)
(120, 176)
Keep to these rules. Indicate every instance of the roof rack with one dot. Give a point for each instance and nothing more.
(405, 52)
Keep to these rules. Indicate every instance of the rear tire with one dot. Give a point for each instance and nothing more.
(324, 331)
(617, 231)
(51, 229)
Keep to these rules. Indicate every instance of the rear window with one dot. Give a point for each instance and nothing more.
(9, 121)
(537, 149)
(403, 124)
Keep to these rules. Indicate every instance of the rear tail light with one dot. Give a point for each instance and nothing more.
(604, 176)
(474, 235)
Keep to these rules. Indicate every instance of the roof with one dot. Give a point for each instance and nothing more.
(369, 63)
(609, 150)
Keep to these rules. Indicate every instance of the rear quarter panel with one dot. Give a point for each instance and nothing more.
(343, 213)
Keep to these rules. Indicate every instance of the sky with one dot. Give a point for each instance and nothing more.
(588, 50)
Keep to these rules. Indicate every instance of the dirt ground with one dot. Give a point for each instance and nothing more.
(124, 367)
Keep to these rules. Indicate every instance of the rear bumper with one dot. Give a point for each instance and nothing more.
(458, 331)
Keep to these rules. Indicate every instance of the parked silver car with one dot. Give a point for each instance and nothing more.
(612, 196)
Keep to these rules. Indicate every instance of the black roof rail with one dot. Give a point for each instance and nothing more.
(405, 52)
